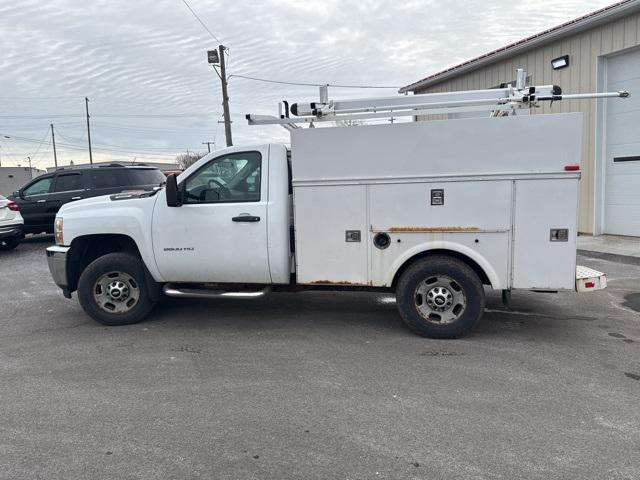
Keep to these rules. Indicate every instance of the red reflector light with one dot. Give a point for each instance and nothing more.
(13, 206)
(589, 284)
(571, 168)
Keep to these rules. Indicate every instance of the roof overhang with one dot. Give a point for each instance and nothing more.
(590, 20)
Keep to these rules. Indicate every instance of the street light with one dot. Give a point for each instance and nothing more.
(212, 57)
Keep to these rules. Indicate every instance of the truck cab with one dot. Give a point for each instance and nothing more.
(233, 216)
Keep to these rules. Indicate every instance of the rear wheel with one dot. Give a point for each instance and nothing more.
(113, 290)
(440, 297)
(9, 243)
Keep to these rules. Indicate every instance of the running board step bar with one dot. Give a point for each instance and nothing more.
(173, 290)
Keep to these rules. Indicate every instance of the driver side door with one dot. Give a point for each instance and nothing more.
(34, 202)
(219, 234)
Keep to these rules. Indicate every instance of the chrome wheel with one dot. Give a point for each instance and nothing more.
(116, 292)
(440, 299)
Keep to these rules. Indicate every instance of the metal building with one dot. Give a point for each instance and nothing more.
(12, 178)
(599, 51)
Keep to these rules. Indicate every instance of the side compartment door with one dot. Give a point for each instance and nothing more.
(545, 233)
(219, 234)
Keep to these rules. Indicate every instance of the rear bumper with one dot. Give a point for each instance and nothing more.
(9, 231)
(57, 260)
(589, 280)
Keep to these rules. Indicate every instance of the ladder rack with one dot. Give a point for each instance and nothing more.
(507, 99)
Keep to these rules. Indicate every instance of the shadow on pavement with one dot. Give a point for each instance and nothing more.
(329, 311)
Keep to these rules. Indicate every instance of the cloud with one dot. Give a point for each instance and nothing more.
(149, 58)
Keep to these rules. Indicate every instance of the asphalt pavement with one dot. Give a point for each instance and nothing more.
(317, 385)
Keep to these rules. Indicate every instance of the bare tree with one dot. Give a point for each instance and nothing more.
(185, 160)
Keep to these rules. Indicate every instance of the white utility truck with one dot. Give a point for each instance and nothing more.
(434, 211)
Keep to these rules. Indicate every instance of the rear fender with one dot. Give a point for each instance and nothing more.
(442, 247)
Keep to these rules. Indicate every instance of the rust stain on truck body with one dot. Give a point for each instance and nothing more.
(426, 229)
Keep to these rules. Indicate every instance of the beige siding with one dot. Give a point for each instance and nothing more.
(583, 49)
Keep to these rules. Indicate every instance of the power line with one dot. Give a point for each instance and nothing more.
(201, 22)
(149, 130)
(110, 115)
(266, 80)
(73, 140)
(150, 156)
(38, 116)
(42, 98)
(150, 115)
(13, 157)
(33, 155)
(117, 149)
(122, 130)
(41, 155)
(246, 77)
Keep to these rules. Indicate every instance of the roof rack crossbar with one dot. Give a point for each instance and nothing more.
(508, 98)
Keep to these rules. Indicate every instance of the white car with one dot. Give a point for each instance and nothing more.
(11, 224)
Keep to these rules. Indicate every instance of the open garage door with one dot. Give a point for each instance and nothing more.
(622, 174)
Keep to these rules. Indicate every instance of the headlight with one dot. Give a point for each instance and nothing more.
(58, 231)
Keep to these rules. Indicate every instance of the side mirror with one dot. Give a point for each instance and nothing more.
(18, 194)
(173, 196)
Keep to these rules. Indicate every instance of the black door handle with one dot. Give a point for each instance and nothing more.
(246, 218)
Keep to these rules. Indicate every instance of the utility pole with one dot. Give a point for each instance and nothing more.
(225, 97)
(5, 136)
(30, 171)
(86, 104)
(55, 155)
(208, 144)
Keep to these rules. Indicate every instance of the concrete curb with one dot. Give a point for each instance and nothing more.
(612, 257)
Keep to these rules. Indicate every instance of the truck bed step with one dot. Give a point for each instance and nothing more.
(176, 290)
(589, 280)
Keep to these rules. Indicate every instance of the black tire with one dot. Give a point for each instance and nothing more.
(457, 286)
(9, 243)
(130, 272)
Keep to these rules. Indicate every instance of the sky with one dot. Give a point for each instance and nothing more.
(152, 95)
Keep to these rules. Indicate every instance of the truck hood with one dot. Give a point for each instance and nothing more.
(106, 202)
(121, 214)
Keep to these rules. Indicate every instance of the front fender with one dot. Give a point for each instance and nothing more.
(131, 218)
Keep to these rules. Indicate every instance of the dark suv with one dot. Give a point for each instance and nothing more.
(41, 198)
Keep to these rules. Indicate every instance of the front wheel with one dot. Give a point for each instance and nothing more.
(440, 297)
(112, 290)
(9, 243)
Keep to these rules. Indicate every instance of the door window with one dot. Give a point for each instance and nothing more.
(39, 187)
(147, 176)
(68, 182)
(229, 179)
(126, 177)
